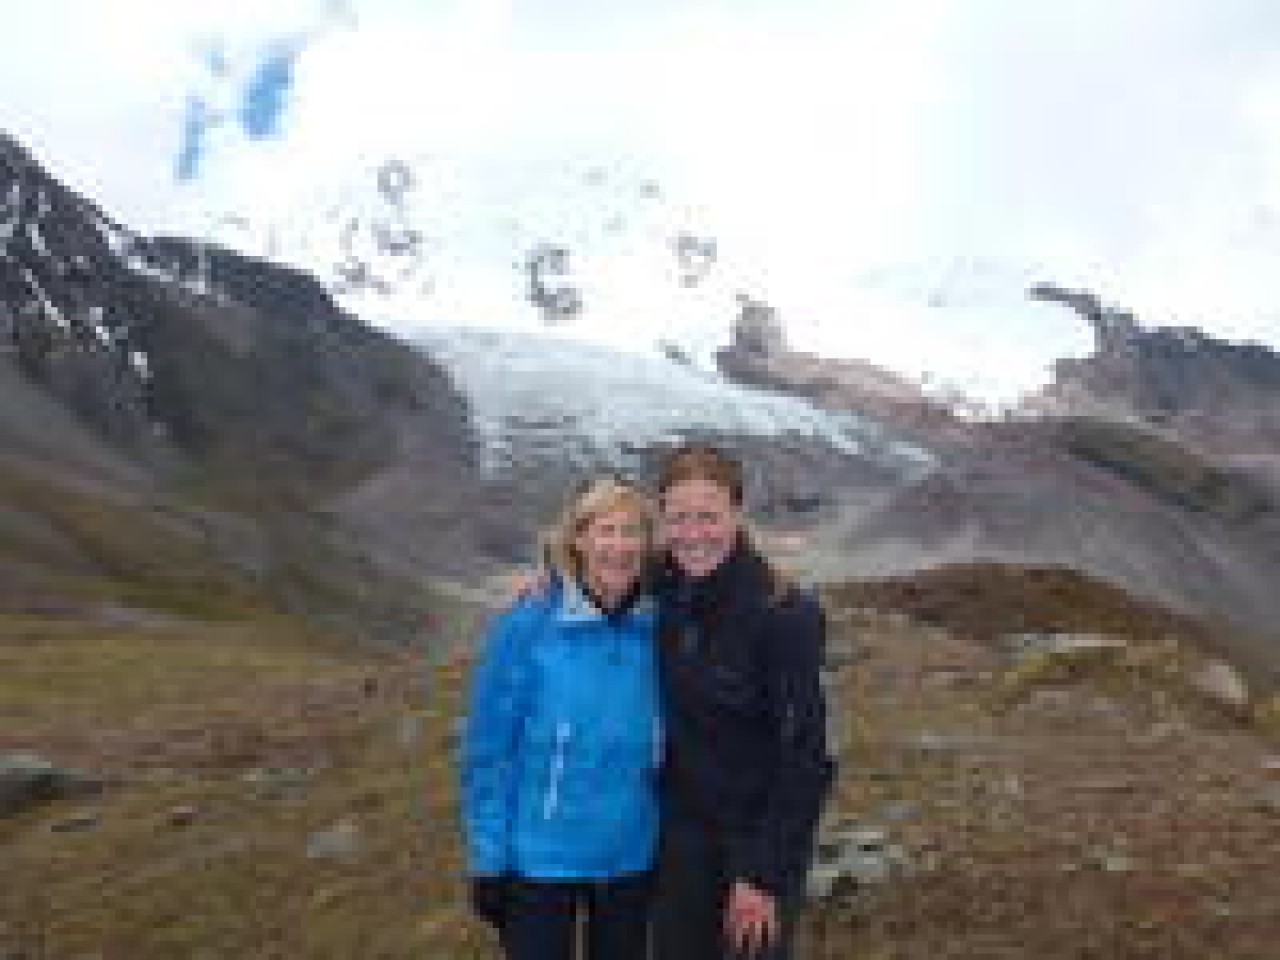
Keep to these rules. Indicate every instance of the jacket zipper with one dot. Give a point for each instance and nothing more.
(557, 770)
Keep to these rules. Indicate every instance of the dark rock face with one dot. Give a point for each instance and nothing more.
(68, 325)
(220, 355)
(170, 367)
(1222, 398)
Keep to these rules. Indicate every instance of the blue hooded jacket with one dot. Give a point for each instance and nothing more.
(563, 742)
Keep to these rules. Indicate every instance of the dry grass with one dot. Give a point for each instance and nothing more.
(184, 719)
(1085, 817)
(1094, 813)
(113, 549)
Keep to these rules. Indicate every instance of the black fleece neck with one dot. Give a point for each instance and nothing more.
(743, 569)
(618, 611)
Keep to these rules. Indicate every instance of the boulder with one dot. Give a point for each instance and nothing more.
(1268, 800)
(1221, 683)
(1025, 645)
(28, 781)
(852, 856)
(339, 842)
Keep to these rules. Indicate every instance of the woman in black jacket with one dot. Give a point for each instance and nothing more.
(747, 768)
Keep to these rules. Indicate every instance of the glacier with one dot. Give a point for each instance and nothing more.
(555, 398)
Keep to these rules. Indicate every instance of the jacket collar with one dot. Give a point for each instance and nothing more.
(574, 605)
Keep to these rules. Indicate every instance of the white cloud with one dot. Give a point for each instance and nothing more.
(1128, 144)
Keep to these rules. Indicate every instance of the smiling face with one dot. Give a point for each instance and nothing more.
(700, 525)
(612, 547)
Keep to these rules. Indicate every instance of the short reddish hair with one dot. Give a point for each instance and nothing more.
(702, 462)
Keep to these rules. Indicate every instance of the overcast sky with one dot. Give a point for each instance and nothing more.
(848, 155)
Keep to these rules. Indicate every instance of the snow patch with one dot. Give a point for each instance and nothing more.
(49, 308)
(36, 238)
(119, 241)
(10, 216)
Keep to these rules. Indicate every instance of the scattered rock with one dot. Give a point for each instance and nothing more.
(87, 820)
(1269, 799)
(1110, 861)
(409, 731)
(1050, 698)
(285, 783)
(928, 742)
(850, 857)
(183, 816)
(899, 812)
(842, 651)
(1161, 732)
(338, 842)
(949, 678)
(1221, 683)
(1219, 908)
(1024, 645)
(1117, 863)
(1101, 706)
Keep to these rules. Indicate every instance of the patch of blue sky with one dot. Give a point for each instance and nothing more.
(196, 121)
(265, 98)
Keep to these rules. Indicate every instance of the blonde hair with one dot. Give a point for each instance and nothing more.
(601, 496)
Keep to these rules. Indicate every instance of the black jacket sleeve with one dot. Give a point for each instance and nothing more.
(775, 854)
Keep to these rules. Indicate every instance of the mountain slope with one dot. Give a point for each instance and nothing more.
(1152, 506)
(229, 395)
(325, 463)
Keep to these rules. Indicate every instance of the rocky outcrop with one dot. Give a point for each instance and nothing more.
(1219, 397)
(759, 355)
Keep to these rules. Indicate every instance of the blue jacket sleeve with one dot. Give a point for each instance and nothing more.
(489, 774)
(775, 855)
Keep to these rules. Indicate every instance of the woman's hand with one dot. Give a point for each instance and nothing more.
(525, 583)
(750, 919)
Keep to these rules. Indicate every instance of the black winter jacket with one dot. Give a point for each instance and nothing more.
(746, 719)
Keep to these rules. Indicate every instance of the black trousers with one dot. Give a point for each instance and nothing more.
(690, 898)
(542, 921)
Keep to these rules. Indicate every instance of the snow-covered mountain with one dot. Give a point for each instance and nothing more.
(575, 338)
(601, 254)
(588, 253)
(339, 452)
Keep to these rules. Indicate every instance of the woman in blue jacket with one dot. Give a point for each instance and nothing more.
(563, 743)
